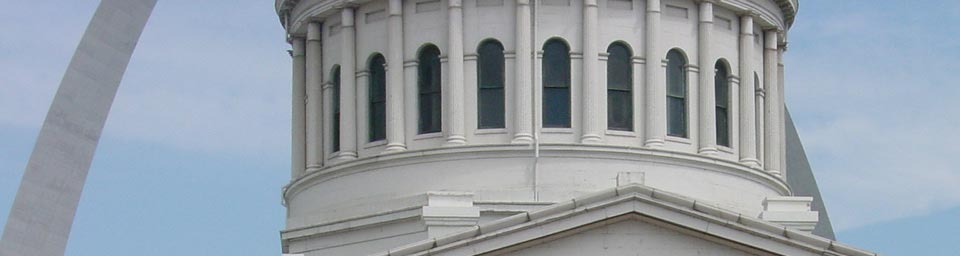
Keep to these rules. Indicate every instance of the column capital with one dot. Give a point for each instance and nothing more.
(346, 16)
(771, 39)
(746, 24)
(747, 13)
(454, 3)
(297, 47)
(395, 7)
(313, 31)
(653, 6)
(523, 2)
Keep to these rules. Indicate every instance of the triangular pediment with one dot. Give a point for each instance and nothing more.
(628, 234)
(652, 217)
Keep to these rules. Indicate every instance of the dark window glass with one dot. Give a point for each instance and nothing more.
(335, 80)
(722, 91)
(490, 82)
(556, 84)
(676, 94)
(619, 88)
(378, 99)
(429, 89)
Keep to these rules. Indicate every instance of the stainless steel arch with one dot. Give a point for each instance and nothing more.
(43, 211)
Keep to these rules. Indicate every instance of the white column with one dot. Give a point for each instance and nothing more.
(455, 110)
(314, 98)
(298, 126)
(707, 125)
(348, 86)
(782, 108)
(761, 125)
(656, 116)
(748, 123)
(523, 101)
(396, 140)
(590, 86)
(773, 104)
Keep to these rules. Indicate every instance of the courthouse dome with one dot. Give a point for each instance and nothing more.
(506, 106)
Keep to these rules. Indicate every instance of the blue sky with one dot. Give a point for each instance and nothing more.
(197, 145)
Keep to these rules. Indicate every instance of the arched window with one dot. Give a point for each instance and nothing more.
(619, 88)
(335, 126)
(377, 119)
(490, 80)
(556, 84)
(722, 91)
(676, 94)
(429, 89)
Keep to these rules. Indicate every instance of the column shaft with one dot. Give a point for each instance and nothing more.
(656, 116)
(348, 86)
(748, 122)
(782, 111)
(523, 124)
(298, 126)
(455, 110)
(314, 114)
(707, 125)
(590, 85)
(396, 140)
(773, 104)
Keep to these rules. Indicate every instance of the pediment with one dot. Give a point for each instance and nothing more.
(629, 234)
(650, 218)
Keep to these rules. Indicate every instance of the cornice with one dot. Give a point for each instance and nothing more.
(511, 151)
(788, 7)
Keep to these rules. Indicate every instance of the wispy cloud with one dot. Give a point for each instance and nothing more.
(874, 95)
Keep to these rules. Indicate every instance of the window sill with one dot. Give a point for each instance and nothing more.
(427, 136)
(557, 130)
(482, 131)
(725, 149)
(378, 143)
(680, 140)
(619, 133)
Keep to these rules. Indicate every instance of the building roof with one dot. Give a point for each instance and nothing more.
(631, 200)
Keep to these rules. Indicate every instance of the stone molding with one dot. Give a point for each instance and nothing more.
(636, 201)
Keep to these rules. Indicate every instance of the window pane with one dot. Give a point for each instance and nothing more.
(722, 86)
(556, 107)
(619, 88)
(676, 117)
(429, 86)
(377, 99)
(556, 85)
(723, 124)
(556, 64)
(491, 108)
(490, 102)
(619, 110)
(676, 94)
(619, 69)
(378, 121)
(336, 109)
(722, 92)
